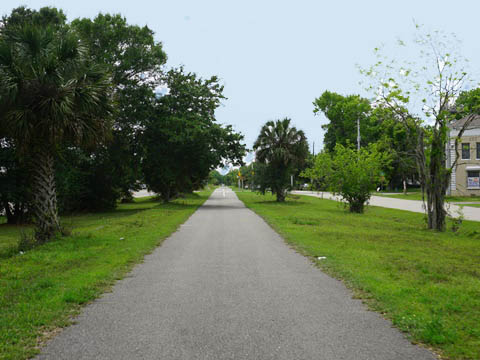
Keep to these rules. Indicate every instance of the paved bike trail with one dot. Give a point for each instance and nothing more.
(226, 286)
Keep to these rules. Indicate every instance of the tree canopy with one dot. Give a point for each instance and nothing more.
(434, 81)
(350, 173)
(51, 95)
(343, 113)
(183, 127)
(82, 123)
(283, 150)
(378, 124)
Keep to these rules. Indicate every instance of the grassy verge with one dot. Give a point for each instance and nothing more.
(427, 283)
(471, 205)
(418, 196)
(41, 289)
(400, 191)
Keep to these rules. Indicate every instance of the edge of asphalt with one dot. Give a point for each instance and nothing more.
(354, 292)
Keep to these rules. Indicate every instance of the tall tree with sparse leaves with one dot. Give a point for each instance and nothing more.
(422, 95)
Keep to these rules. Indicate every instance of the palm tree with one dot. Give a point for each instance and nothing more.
(283, 149)
(51, 95)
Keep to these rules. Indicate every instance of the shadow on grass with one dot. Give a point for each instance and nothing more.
(173, 206)
(6, 226)
(142, 205)
(78, 220)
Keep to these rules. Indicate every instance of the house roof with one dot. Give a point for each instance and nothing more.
(458, 124)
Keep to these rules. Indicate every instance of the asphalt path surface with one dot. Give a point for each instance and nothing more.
(226, 286)
(469, 212)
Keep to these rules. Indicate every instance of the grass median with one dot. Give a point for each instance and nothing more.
(418, 196)
(427, 283)
(43, 288)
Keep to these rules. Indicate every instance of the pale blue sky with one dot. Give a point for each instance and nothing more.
(274, 57)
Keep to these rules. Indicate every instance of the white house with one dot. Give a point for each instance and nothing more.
(465, 177)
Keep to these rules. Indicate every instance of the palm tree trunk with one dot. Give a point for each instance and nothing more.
(44, 196)
(280, 192)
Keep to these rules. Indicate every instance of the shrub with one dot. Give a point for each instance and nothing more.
(351, 174)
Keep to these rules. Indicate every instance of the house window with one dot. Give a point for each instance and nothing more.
(478, 151)
(473, 179)
(466, 151)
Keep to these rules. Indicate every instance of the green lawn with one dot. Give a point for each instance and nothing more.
(427, 283)
(41, 289)
(400, 191)
(418, 196)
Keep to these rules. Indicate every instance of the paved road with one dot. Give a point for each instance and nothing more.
(225, 286)
(469, 212)
(143, 193)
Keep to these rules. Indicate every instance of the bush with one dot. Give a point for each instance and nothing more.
(351, 174)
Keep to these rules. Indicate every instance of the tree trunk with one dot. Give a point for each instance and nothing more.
(435, 202)
(44, 196)
(127, 197)
(165, 195)
(8, 212)
(357, 205)
(15, 213)
(280, 195)
(433, 179)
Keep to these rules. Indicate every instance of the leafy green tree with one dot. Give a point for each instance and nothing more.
(182, 141)
(303, 179)
(435, 80)
(50, 95)
(86, 181)
(45, 16)
(468, 102)
(317, 171)
(343, 113)
(231, 177)
(378, 124)
(215, 178)
(394, 139)
(247, 175)
(135, 61)
(260, 177)
(283, 149)
(351, 174)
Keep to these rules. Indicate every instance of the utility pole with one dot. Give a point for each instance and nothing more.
(314, 148)
(358, 134)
